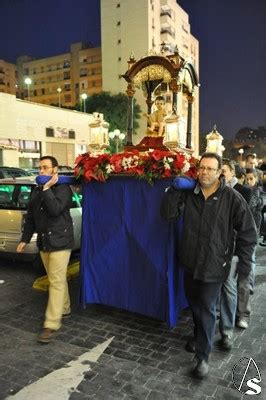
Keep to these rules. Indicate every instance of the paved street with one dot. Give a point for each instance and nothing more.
(105, 353)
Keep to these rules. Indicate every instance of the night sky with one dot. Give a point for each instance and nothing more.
(232, 36)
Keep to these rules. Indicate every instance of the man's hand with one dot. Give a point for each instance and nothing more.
(51, 182)
(21, 247)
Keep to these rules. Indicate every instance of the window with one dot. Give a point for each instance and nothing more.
(50, 132)
(67, 87)
(119, 41)
(43, 91)
(118, 5)
(119, 58)
(67, 75)
(118, 23)
(71, 134)
(66, 64)
(83, 72)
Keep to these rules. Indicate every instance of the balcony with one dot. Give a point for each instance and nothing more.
(167, 30)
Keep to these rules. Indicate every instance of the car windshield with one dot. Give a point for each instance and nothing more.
(14, 197)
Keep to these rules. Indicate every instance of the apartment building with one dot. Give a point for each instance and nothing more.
(8, 77)
(61, 79)
(141, 28)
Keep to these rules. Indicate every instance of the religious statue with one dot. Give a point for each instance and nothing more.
(156, 120)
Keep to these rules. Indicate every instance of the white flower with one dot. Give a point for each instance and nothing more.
(186, 166)
(109, 168)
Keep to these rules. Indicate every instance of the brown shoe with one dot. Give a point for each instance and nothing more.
(47, 335)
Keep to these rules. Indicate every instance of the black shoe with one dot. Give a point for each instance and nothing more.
(66, 315)
(226, 343)
(201, 370)
(190, 346)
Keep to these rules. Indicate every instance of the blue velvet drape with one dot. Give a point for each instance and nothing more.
(128, 252)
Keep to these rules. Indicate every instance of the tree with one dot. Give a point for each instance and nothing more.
(114, 109)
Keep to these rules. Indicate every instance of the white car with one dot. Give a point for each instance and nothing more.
(14, 198)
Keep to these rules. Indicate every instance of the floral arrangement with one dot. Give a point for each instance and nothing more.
(150, 165)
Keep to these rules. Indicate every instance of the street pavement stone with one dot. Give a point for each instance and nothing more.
(145, 359)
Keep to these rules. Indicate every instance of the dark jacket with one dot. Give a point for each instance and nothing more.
(256, 205)
(49, 215)
(210, 229)
(245, 191)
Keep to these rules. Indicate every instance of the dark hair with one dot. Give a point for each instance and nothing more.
(252, 171)
(230, 164)
(53, 160)
(250, 155)
(240, 172)
(213, 155)
(159, 98)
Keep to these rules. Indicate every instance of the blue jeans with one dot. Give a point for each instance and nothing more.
(228, 301)
(253, 270)
(202, 298)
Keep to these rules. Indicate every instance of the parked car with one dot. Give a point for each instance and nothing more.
(13, 172)
(14, 198)
(62, 170)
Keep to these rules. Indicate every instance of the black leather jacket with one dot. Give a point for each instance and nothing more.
(49, 215)
(211, 228)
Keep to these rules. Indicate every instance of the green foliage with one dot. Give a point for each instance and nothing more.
(114, 109)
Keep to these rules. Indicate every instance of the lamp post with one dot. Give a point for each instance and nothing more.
(84, 97)
(117, 136)
(28, 82)
(241, 152)
(59, 90)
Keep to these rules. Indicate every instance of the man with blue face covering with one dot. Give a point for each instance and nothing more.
(48, 214)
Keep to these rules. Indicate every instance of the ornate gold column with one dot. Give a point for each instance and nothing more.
(190, 100)
(130, 93)
(175, 88)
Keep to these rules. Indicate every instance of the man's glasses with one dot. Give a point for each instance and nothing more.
(44, 168)
(207, 169)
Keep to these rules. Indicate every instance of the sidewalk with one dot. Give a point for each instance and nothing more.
(143, 359)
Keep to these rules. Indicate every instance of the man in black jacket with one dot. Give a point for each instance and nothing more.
(215, 217)
(49, 215)
(233, 283)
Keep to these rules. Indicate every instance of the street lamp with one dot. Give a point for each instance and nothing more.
(84, 97)
(59, 90)
(117, 136)
(214, 142)
(241, 151)
(28, 82)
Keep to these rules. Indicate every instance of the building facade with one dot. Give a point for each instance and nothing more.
(60, 80)
(8, 77)
(141, 28)
(29, 130)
